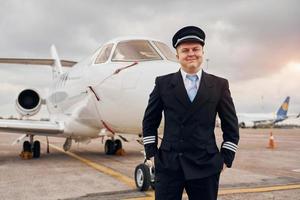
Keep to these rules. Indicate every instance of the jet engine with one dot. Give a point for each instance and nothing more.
(28, 102)
(246, 124)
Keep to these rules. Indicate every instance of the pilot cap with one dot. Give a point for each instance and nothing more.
(189, 34)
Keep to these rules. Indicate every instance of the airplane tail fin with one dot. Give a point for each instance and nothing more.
(56, 67)
(282, 111)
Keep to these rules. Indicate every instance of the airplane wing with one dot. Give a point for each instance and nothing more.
(263, 121)
(33, 61)
(293, 116)
(31, 127)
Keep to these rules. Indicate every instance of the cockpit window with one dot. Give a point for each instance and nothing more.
(135, 50)
(166, 51)
(104, 54)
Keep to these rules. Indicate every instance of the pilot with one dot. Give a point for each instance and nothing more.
(188, 157)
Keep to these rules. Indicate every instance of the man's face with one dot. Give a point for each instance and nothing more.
(190, 56)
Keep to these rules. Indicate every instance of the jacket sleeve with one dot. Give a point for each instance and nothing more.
(151, 121)
(229, 125)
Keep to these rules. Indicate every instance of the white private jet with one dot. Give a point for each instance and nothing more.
(260, 120)
(103, 95)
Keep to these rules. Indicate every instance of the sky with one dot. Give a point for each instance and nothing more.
(254, 44)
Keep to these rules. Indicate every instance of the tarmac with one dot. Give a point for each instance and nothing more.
(85, 172)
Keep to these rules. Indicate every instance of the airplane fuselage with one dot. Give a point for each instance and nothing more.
(111, 96)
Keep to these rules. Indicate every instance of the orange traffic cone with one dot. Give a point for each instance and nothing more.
(271, 141)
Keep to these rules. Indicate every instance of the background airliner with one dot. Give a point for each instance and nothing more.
(259, 120)
(103, 95)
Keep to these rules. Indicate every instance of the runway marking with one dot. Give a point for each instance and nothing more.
(259, 189)
(108, 171)
(150, 194)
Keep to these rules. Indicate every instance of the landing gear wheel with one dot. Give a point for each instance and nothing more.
(142, 177)
(109, 147)
(36, 149)
(118, 144)
(152, 174)
(26, 146)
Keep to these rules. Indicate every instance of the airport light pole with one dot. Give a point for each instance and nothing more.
(207, 63)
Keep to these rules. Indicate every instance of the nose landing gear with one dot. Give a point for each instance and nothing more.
(144, 176)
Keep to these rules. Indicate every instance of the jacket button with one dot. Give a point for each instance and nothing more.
(180, 154)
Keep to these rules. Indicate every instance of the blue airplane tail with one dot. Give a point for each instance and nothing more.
(282, 111)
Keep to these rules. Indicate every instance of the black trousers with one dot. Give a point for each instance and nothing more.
(170, 186)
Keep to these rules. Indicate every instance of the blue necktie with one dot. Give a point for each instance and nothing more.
(192, 89)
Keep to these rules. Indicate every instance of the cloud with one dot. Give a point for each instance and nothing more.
(265, 94)
(246, 40)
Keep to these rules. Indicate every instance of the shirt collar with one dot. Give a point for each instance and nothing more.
(183, 74)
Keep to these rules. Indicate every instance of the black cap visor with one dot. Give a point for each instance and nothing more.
(190, 40)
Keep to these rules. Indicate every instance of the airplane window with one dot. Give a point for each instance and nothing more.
(166, 51)
(135, 50)
(104, 54)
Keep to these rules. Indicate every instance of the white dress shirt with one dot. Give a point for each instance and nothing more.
(187, 82)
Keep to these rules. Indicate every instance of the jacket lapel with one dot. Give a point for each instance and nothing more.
(179, 90)
(203, 94)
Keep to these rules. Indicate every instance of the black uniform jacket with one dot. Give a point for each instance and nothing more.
(189, 141)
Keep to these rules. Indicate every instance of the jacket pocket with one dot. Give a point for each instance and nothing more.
(211, 149)
(165, 146)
